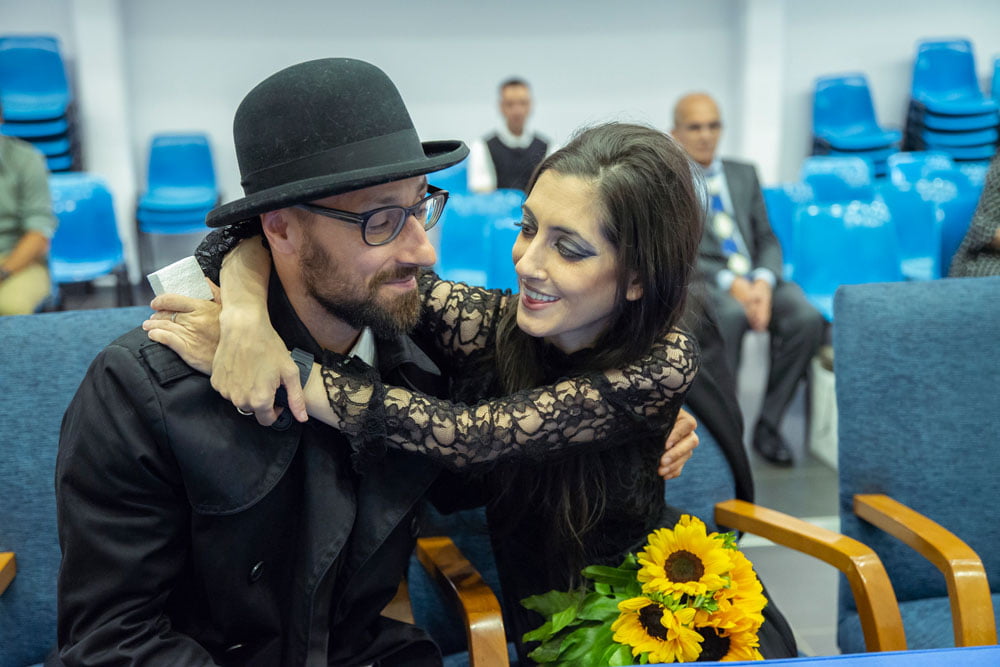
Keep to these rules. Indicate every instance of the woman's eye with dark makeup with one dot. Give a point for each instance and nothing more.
(527, 228)
(571, 250)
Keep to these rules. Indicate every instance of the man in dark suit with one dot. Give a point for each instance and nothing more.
(739, 262)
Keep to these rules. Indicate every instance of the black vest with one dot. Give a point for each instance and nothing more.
(514, 166)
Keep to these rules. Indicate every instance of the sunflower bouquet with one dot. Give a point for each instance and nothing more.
(688, 595)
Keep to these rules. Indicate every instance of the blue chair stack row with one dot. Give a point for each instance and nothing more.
(36, 99)
(181, 187)
(948, 112)
(844, 122)
(841, 226)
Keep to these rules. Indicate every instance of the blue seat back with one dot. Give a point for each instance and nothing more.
(782, 202)
(945, 70)
(844, 244)
(955, 198)
(906, 168)
(180, 161)
(916, 392)
(33, 84)
(843, 105)
(86, 243)
(454, 179)
(838, 178)
(44, 358)
(917, 229)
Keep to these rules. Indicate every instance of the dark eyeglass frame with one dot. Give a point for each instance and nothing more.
(363, 218)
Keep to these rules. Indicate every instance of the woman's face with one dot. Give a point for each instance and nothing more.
(566, 268)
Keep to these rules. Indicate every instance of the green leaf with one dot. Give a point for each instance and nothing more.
(548, 651)
(602, 588)
(619, 655)
(599, 608)
(609, 575)
(552, 602)
(563, 618)
(585, 646)
(541, 633)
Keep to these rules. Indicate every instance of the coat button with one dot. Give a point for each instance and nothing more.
(256, 571)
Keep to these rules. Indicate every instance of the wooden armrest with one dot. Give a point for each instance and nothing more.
(876, 601)
(8, 568)
(474, 600)
(968, 590)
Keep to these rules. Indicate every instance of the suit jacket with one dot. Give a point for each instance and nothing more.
(750, 215)
(193, 536)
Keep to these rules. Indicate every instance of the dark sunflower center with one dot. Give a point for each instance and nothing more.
(714, 647)
(683, 566)
(649, 619)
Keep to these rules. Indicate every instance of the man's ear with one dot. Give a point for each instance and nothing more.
(281, 229)
(634, 290)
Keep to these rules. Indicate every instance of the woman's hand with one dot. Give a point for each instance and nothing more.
(188, 326)
(680, 445)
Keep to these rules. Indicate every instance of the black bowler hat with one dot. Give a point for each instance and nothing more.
(321, 128)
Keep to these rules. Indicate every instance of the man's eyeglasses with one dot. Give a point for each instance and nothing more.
(381, 225)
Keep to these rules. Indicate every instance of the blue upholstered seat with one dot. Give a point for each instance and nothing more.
(43, 358)
(917, 391)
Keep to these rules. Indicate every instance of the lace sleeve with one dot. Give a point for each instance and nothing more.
(460, 319)
(532, 424)
(219, 242)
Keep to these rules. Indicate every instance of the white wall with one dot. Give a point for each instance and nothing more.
(186, 64)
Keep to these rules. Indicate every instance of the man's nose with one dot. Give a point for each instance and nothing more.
(414, 245)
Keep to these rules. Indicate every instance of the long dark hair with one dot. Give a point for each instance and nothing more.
(652, 216)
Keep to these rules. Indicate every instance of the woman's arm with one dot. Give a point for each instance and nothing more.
(594, 408)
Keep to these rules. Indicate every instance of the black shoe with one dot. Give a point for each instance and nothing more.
(772, 447)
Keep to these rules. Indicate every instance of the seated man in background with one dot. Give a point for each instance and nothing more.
(739, 265)
(979, 254)
(26, 225)
(507, 157)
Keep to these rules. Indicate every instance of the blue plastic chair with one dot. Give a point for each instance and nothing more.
(838, 178)
(33, 83)
(945, 81)
(844, 116)
(468, 226)
(938, 122)
(36, 128)
(918, 230)
(49, 353)
(906, 168)
(180, 176)
(782, 201)
(454, 179)
(955, 198)
(916, 385)
(86, 244)
(844, 244)
(935, 139)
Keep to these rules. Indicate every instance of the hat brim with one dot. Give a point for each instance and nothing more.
(437, 155)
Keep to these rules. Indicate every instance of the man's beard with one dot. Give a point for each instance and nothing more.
(353, 304)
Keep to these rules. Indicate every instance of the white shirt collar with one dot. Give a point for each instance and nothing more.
(510, 141)
(364, 348)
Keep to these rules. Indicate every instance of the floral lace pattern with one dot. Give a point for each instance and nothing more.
(534, 424)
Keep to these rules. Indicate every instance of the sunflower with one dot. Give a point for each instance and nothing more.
(648, 627)
(747, 591)
(684, 560)
(723, 646)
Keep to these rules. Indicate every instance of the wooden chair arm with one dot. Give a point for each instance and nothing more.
(873, 594)
(968, 590)
(474, 600)
(8, 568)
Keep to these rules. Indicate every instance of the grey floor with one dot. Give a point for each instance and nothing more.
(804, 589)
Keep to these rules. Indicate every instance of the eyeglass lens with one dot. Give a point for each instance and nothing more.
(386, 224)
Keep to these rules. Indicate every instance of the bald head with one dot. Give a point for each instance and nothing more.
(698, 126)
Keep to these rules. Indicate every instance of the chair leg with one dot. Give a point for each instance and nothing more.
(123, 288)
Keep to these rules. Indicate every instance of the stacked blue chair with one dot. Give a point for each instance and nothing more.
(180, 186)
(844, 244)
(36, 99)
(782, 202)
(948, 112)
(916, 383)
(906, 168)
(844, 121)
(86, 244)
(838, 178)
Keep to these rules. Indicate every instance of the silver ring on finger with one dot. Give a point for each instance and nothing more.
(243, 412)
